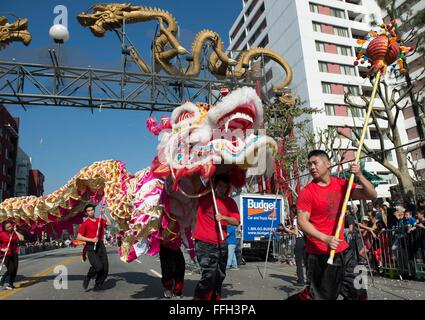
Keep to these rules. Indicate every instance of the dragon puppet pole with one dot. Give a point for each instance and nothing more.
(98, 225)
(7, 249)
(351, 180)
(270, 233)
(216, 211)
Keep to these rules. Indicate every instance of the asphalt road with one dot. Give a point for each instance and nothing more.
(40, 274)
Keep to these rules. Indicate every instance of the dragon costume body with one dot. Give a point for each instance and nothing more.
(159, 203)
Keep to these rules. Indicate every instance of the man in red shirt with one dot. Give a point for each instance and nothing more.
(211, 250)
(319, 205)
(92, 231)
(9, 252)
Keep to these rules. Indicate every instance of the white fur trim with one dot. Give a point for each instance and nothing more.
(186, 107)
(238, 97)
(203, 135)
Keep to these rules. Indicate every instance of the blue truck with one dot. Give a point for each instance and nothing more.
(257, 214)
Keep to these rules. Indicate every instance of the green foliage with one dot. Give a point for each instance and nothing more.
(281, 119)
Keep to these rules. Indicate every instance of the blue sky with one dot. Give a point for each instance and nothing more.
(61, 141)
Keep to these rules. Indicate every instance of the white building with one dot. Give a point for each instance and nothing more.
(23, 167)
(408, 10)
(317, 38)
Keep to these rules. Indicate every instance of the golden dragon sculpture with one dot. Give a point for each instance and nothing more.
(16, 31)
(108, 17)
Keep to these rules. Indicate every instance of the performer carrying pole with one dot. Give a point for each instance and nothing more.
(318, 206)
(319, 202)
(92, 231)
(9, 248)
(356, 162)
(210, 243)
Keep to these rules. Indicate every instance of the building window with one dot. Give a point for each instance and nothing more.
(358, 132)
(348, 70)
(338, 13)
(416, 64)
(256, 17)
(326, 88)
(374, 135)
(408, 113)
(251, 7)
(238, 27)
(240, 40)
(257, 33)
(344, 51)
(323, 66)
(412, 133)
(354, 90)
(342, 32)
(264, 42)
(320, 46)
(314, 8)
(317, 27)
(356, 113)
(330, 109)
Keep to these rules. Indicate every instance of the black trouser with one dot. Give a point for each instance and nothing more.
(299, 257)
(11, 262)
(99, 262)
(213, 259)
(172, 269)
(327, 282)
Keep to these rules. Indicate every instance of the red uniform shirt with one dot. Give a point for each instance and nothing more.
(206, 227)
(88, 228)
(324, 205)
(4, 241)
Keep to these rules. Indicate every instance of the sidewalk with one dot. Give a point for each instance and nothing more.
(379, 289)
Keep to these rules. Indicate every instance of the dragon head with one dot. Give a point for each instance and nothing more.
(16, 31)
(204, 139)
(105, 17)
(242, 109)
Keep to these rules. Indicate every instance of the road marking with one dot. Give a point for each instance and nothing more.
(156, 273)
(137, 260)
(23, 284)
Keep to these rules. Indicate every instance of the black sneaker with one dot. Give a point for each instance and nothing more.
(9, 287)
(97, 287)
(86, 282)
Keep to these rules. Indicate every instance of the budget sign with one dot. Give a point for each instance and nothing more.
(258, 212)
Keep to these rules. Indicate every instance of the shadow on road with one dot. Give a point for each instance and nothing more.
(151, 287)
(288, 289)
(109, 283)
(290, 279)
(25, 282)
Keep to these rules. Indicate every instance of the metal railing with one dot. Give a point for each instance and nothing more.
(393, 253)
(283, 247)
